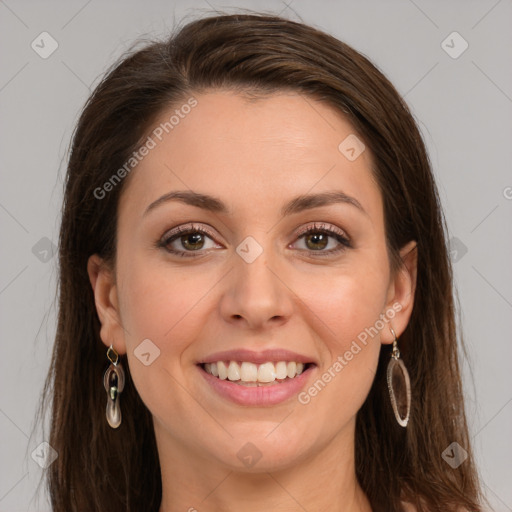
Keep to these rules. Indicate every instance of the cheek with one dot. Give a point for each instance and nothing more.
(168, 311)
(159, 301)
(347, 304)
(347, 319)
(164, 307)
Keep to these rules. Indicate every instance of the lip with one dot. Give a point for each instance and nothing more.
(258, 395)
(264, 356)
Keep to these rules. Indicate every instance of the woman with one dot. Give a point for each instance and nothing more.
(256, 307)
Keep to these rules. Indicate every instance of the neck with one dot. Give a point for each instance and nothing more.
(324, 482)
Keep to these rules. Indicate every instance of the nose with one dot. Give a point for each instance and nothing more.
(256, 293)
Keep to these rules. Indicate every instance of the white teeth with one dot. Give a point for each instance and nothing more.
(233, 371)
(222, 369)
(266, 372)
(248, 372)
(251, 373)
(281, 372)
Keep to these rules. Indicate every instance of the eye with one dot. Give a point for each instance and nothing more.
(185, 240)
(316, 238)
(189, 239)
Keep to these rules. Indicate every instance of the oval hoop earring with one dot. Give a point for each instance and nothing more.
(399, 385)
(113, 381)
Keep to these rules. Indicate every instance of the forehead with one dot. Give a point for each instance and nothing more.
(252, 152)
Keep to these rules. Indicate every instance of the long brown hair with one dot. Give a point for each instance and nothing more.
(102, 469)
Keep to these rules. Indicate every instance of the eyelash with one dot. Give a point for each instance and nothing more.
(316, 228)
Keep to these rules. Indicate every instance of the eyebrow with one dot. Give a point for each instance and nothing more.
(295, 205)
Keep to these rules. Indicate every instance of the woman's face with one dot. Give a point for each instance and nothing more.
(244, 285)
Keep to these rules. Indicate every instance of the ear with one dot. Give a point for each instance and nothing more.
(107, 306)
(400, 297)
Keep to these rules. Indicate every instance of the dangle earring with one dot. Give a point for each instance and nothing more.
(399, 385)
(113, 381)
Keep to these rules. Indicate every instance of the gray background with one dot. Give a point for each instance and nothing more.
(463, 106)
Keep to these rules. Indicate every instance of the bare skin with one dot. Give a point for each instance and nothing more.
(255, 157)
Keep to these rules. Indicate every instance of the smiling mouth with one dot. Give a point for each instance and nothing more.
(249, 374)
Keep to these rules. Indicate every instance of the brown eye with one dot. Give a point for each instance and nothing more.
(317, 241)
(192, 241)
(317, 238)
(186, 240)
